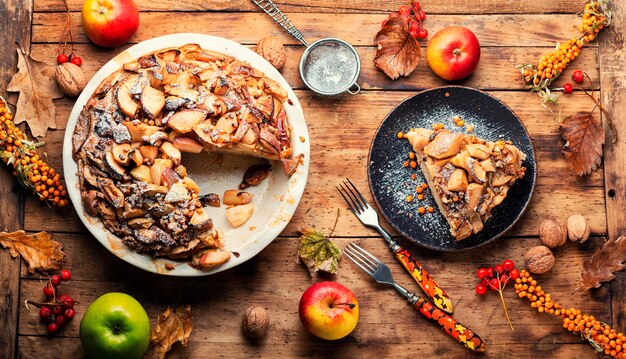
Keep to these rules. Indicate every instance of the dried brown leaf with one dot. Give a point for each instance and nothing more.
(603, 263)
(36, 83)
(584, 138)
(172, 326)
(398, 52)
(38, 250)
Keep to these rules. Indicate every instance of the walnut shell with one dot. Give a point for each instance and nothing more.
(553, 232)
(539, 259)
(272, 49)
(577, 228)
(255, 322)
(70, 79)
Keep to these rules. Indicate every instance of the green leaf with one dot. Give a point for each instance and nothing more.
(317, 252)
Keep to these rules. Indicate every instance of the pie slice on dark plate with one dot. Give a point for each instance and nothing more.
(468, 176)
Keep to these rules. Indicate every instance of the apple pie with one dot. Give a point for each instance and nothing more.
(131, 133)
(468, 176)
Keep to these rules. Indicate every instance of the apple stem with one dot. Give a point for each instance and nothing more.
(350, 305)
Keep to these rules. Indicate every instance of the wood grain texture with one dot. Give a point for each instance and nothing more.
(357, 29)
(510, 32)
(613, 78)
(496, 70)
(364, 112)
(11, 205)
(274, 274)
(30, 346)
(345, 6)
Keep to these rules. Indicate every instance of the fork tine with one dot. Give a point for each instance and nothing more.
(349, 203)
(354, 197)
(355, 202)
(358, 252)
(367, 254)
(356, 258)
(366, 270)
(363, 200)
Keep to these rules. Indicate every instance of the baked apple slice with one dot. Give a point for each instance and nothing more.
(468, 176)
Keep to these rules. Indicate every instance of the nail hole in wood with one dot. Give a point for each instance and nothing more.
(611, 193)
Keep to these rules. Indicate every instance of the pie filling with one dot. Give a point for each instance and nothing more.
(131, 133)
(468, 176)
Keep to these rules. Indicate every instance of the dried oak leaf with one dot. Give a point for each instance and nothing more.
(38, 250)
(398, 52)
(603, 263)
(584, 138)
(36, 83)
(172, 326)
(317, 252)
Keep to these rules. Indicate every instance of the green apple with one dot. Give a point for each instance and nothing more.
(115, 326)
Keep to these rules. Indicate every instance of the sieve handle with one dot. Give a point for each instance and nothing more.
(272, 10)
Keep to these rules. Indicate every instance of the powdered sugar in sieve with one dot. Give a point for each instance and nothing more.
(330, 66)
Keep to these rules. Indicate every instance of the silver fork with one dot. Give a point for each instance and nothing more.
(382, 274)
(369, 217)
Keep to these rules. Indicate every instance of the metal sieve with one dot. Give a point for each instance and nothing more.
(328, 66)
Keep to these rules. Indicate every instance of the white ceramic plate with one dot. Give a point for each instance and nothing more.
(275, 199)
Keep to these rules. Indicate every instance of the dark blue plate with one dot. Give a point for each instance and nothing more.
(391, 183)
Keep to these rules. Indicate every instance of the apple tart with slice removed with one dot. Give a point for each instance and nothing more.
(468, 176)
(131, 133)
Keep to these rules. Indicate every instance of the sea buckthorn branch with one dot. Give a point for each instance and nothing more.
(31, 169)
(599, 334)
(596, 15)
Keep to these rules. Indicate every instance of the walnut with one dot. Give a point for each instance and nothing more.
(255, 322)
(539, 259)
(70, 79)
(272, 49)
(553, 232)
(578, 228)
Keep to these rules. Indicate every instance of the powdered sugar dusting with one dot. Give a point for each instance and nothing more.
(330, 67)
(391, 182)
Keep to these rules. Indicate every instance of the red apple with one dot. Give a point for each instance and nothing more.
(110, 23)
(329, 310)
(453, 53)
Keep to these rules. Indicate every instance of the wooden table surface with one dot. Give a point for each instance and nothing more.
(510, 32)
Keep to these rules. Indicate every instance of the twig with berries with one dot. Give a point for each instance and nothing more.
(414, 16)
(62, 47)
(596, 15)
(57, 310)
(579, 77)
(496, 279)
(600, 335)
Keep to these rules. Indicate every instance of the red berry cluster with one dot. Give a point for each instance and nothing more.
(58, 310)
(76, 60)
(414, 16)
(495, 278)
(578, 76)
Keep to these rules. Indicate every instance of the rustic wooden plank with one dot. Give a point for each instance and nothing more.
(613, 77)
(359, 30)
(319, 205)
(496, 70)
(15, 28)
(61, 348)
(433, 7)
(365, 112)
(274, 274)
